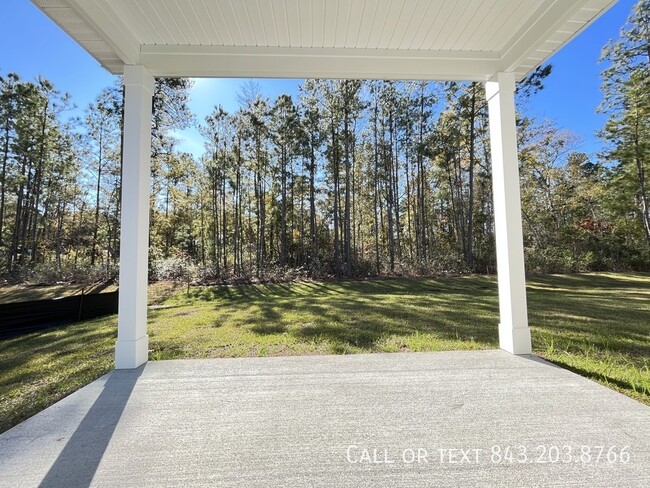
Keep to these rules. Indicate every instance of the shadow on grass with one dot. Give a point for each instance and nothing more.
(366, 324)
(602, 311)
(619, 322)
(362, 314)
(57, 343)
(341, 288)
(599, 376)
(268, 329)
(586, 281)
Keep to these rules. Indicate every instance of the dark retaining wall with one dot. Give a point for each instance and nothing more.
(23, 317)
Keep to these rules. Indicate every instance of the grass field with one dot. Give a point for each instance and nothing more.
(597, 325)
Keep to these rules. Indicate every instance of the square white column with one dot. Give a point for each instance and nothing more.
(132, 345)
(514, 334)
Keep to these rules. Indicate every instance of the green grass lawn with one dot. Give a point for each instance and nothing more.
(597, 325)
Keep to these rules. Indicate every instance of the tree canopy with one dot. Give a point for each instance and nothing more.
(349, 178)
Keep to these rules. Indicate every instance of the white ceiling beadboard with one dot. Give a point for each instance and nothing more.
(386, 39)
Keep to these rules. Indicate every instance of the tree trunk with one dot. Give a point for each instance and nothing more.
(312, 201)
(347, 236)
(3, 178)
(100, 163)
(283, 206)
(335, 195)
(469, 242)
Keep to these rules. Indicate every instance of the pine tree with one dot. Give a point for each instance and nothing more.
(626, 89)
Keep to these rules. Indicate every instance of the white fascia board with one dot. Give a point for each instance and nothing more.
(110, 27)
(333, 63)
(534, 45)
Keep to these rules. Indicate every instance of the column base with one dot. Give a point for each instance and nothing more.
(515, 341)
(131, 354)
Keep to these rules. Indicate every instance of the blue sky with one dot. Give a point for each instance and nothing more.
(31, 45)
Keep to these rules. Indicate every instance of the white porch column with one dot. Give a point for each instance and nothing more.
(132, 341)
(514, 334)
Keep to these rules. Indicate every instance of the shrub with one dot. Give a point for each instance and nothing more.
(176, 268)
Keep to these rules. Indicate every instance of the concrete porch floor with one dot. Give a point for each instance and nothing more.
(291, 422)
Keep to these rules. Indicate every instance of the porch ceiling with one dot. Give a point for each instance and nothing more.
(386, 39)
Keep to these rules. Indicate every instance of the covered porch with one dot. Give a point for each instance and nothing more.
(471, 418)
(495, 42)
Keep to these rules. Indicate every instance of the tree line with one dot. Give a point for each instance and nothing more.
(349, 178)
